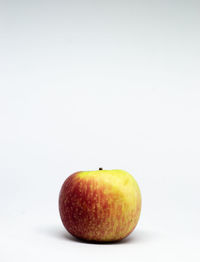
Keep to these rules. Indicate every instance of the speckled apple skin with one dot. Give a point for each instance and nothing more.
(100, 206)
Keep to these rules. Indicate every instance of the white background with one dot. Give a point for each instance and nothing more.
(89, 84)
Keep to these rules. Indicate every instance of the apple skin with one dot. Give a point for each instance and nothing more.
(100, 206)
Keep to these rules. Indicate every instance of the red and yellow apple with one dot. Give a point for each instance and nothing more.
(102, 205)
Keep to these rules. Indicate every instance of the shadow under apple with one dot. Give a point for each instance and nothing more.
(135, 237)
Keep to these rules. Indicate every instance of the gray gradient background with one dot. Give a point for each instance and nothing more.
(85, 84)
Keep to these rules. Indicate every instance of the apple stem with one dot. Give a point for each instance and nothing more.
(101, 168)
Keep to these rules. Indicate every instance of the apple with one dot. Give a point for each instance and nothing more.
(101, 205)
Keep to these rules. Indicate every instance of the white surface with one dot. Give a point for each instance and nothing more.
(86, 84)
